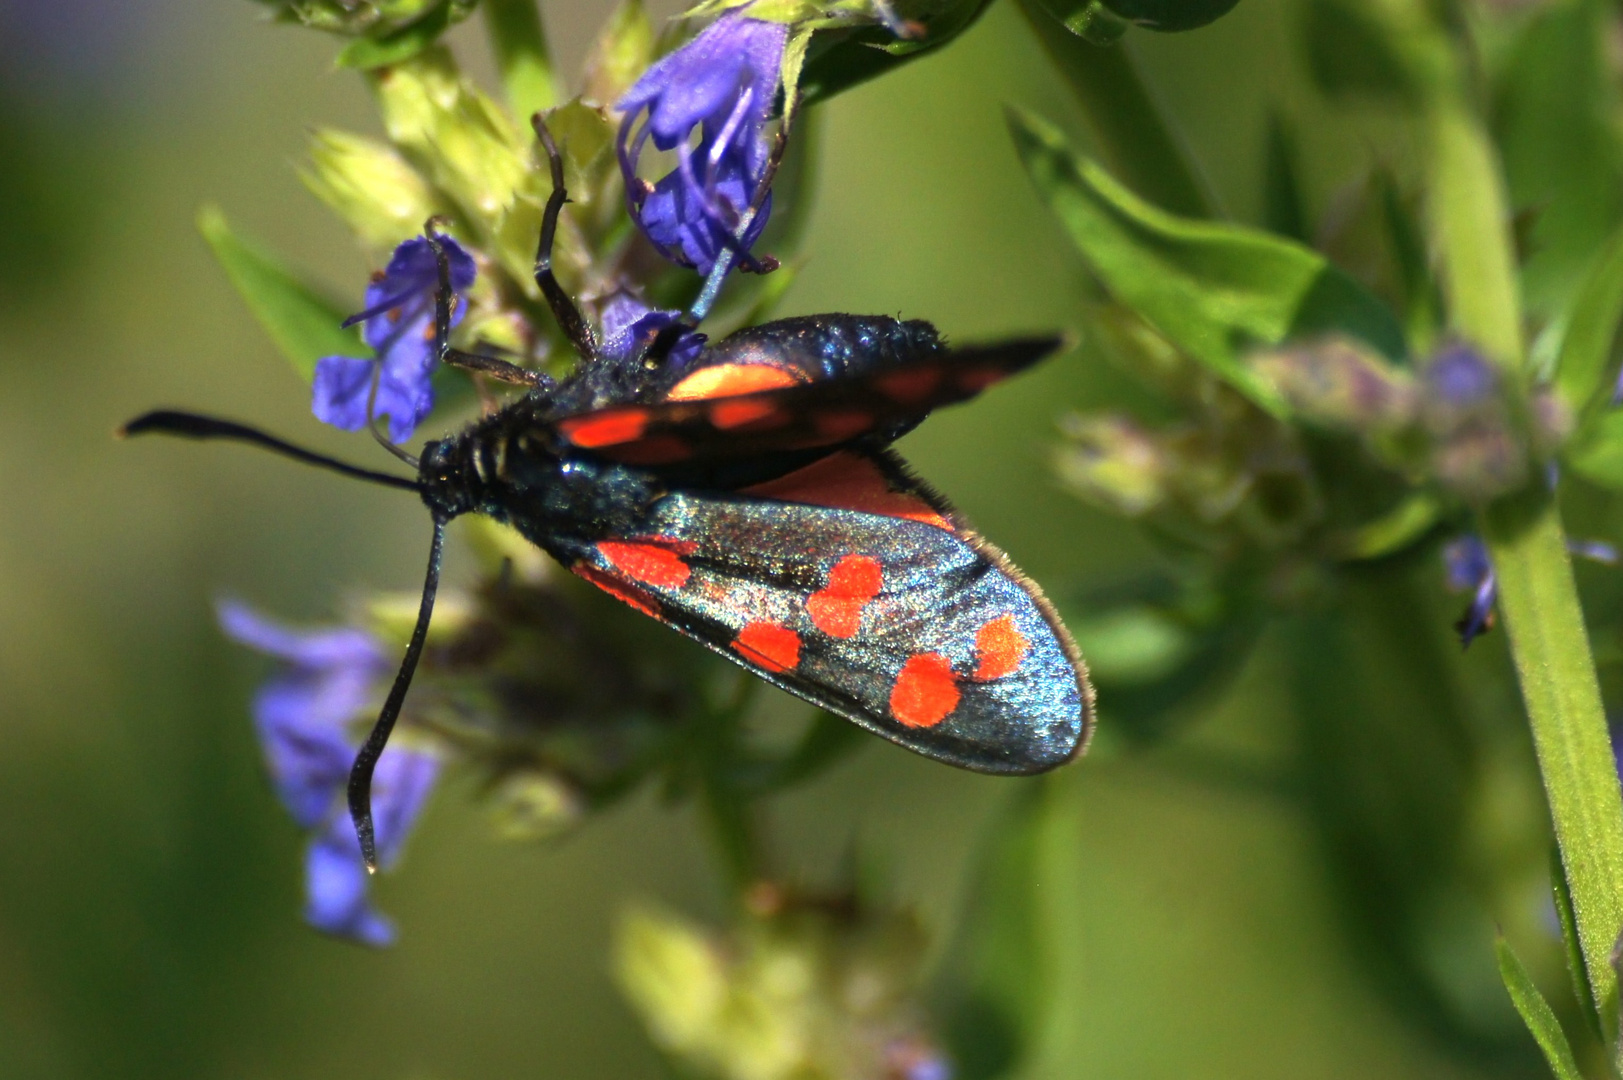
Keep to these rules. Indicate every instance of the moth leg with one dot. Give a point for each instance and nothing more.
(500, 370)
(444, 296)
(734, 242)
(574, 326)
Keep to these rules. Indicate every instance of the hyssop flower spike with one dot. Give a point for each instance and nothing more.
(329, 677)
(721, 84)
(399, 325)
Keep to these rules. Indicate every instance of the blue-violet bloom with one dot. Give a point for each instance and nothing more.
(1465, 559)
(723, 84)
(399, 325)
(1469, 569)
(1461, 377)
(328, 678)
(629, 326)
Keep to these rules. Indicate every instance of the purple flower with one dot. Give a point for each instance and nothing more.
(399, 325)
(722, 84)
(629, 326)
(328, 679)
(1469, 569)
(1461, 377)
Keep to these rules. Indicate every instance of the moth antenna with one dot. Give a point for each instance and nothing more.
(360, 775)
(188, 425)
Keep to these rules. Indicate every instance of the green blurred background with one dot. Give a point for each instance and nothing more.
(149, 883)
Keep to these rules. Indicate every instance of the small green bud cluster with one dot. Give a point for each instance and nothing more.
(1229, 476)
(1226, 476)
(801, 988)
(562, 703)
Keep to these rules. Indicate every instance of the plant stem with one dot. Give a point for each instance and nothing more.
(520, 44)
(1539, 601)
(1538, 598)
(1125, 120)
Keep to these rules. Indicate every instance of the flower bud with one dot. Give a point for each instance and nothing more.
(802, 989)
(1476, 452)
(460, 139)
(1337, 382)
(1112, 461)
(1479, 460)
(535, 806)
(370, 186)
(1552, 418)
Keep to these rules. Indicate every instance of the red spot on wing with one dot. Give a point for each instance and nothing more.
(837, 425)
(836, 609)
(768, 645)
(618, 589)
(753, 413)
(926, 691)
(728, 380)
(909, 387)
(604, 428)
(650, 563)
(849, 482)
(1000, 648)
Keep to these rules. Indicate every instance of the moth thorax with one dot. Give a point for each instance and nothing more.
(450, 478)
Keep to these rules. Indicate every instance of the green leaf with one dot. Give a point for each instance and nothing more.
(1217, 291)
(1090, 20)
(304, 324)
(1584, 362)
(1577, 967)
(1393, 531)
(1354, 51)
(396, 46)
(1553, 118)
(1171, 15)
(1597, 454)
(1126, 123)
(842, 58)
(520, 44)
(1418, 290)
(1284, 210)
(1536, 1014)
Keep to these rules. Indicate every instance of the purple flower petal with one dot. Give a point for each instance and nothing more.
(339, 391)
(1594, 550)
(399, 325)
(1461, 377)
(721, 84)
(629, 326)
(336, 881)
(1466, 561)
(303, 712)
(336, 884)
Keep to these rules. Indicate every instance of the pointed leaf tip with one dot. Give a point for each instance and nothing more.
(1536, 1013)
(304, 324)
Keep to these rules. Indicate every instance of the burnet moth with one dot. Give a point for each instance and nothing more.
(748, 498)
